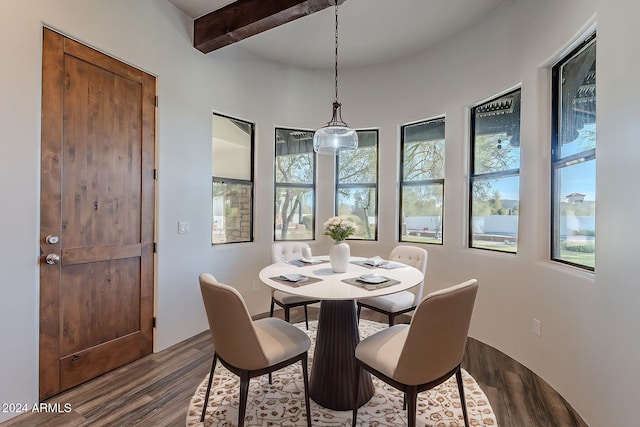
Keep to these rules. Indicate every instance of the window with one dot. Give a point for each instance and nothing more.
(357, 185)
(295, 185)
(232, 171)
(422, 182)
(495, 174)
(573, 156)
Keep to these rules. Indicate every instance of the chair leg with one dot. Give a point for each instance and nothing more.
(286, 314)
(272, 307)
(358, 316)
(391, 319)
(412, 397)
(355, 394)
(206, 397)
(305, 374)
(270, 379)
(244, 392)
(462, 398)
(306, 317)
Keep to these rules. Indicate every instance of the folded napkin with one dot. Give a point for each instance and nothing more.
(391, 265)
(310, 260)
(302, 262)
(376, 261)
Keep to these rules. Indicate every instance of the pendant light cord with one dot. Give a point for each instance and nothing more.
(336, 63)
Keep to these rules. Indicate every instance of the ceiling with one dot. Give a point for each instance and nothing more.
(370, 31)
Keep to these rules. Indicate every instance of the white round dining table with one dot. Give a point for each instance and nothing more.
(332, 378)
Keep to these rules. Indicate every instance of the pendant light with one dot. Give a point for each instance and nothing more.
(336, 135)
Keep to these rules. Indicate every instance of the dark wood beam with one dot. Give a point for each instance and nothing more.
(245, 18)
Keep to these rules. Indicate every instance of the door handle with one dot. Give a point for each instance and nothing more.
(52, 259)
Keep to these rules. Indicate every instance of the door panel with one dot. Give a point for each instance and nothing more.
(101, 158)
(99, 302)
(88, 364)
(97, 196)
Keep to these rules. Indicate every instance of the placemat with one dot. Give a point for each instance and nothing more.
(300, 263)
(387, 266)
(307, 281)
(356, 281)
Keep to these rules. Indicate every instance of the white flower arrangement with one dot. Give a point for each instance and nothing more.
(339, 228)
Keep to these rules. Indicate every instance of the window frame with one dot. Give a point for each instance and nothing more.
(557, 162)
(507, 173)
(311, 186)
(425, 182)
(375, 186)
(251, 183)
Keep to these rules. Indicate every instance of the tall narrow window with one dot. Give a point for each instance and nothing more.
(495, 174)
(422, 182)
(295, 185)
(357, 185)
(232, 171)
(573, 236)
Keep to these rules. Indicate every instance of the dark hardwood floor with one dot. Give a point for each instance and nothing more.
(155, 390)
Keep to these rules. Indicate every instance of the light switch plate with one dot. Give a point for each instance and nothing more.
(184, 227)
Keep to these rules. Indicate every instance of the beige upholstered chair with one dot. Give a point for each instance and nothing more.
(286, 251)
(404, 301)
(426, 353)
(249, 348)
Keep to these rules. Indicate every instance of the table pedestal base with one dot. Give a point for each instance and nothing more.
(334, 365)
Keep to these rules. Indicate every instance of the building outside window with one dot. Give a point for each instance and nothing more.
(295, 185)
(232, 180)
(357, 185)
(422, 182)
(495, 173)
(573, 234)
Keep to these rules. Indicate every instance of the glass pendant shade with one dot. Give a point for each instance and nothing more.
(331, 139)
(335, 135)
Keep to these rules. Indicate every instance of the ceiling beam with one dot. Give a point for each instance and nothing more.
(245, 18)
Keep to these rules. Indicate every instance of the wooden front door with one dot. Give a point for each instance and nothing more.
(96, 214)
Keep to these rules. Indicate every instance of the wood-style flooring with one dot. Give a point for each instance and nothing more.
(156, 390)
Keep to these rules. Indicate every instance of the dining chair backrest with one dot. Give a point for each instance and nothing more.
(232, 331)
(415, 257)
(286, 251)
(437, 334)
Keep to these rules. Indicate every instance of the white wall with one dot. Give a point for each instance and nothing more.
(588, 350)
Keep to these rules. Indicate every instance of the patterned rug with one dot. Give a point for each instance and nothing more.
(282, 403)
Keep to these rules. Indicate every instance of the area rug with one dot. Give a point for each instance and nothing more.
(282, 402)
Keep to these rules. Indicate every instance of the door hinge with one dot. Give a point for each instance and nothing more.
(156, 101)
(155, 174)
(155, 248)
(153, 322)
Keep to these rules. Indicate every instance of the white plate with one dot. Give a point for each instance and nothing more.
(372, 278)
(293, 277)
